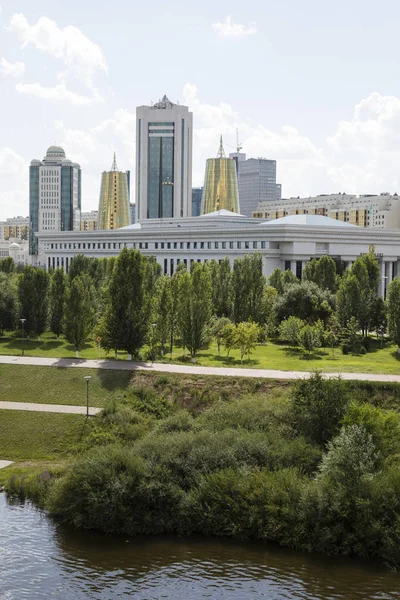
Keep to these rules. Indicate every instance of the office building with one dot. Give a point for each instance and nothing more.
(114, 199)
(54, 195)
(220, 184)
(132, 212)
(257, 182)
(15, 228)
(379, 211)
(197, 194)
(164, 135)
(89, 220)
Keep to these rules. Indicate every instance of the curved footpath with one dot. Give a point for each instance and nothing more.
(125, 365)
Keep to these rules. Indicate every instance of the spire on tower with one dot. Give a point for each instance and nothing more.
(221, 151)
(114, 165)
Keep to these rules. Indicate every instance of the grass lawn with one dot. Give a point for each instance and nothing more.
(31, 435)
(56, 385)
(269, 356)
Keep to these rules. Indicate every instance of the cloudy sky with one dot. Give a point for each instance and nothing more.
(313, 85)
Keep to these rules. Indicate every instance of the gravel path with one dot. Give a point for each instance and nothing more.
(124, 365)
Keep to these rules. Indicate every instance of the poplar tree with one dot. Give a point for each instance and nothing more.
(195, 307)
(33, 299)
(248, 284)
(56, 301)
(78, 311)
(393, 311)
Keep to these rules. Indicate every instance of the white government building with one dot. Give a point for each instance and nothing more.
(286, 243)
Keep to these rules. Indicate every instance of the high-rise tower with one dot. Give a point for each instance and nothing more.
(114, 199)
(163, 161)
(54, 195)
(220, 184)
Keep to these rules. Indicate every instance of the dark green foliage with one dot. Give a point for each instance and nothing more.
(306, 301)
(221, 281)
(7, 265)
(322, 271)
(33, 286)
(318, 406)
(195, 306)
(78, 318)
(56, 301)
(248, 284)
(8, 302)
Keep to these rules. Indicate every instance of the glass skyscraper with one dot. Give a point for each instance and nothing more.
(257, 182)
(54, 195)
(114, 199)
(163, 161)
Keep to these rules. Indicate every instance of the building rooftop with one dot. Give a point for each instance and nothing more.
(55, 151)
(308, 220)
(223, 212)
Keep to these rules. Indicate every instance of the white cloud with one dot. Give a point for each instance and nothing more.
(82, 58)
(15, 70)
(58, 92)
(229, 29)
(11, 163)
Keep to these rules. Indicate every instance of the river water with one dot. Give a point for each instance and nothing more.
(42, 560)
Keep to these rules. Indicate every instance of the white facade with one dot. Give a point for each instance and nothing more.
(164, 120)
(287, 244)
(380, 211)
(18, 252)
(50, 198)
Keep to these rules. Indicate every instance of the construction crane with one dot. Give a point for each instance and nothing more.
(239, 145)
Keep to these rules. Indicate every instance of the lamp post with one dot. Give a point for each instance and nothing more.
(153, 325)
(87, 378)
(23, 332)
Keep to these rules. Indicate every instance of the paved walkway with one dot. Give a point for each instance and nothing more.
(125, 365)
(5, 463)
(51, 408)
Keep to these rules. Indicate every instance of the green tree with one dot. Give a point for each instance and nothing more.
(306, 301)
(174, 308)
(33, 287)
(246, 337)
(8, 303)
(322, 271)
(162, 309)
(78, 310)
(221, 281)
(248, 284)
(318, 406)
(229, 337)
(79, 265)
(56, 301)
(7, 265)
(282, 279)
(127, 315)
(195, 307)
(290, 330)
(217, 331)
(310, 338)
(393, 311)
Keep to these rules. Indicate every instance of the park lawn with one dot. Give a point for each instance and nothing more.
(272, 355)
(60, 385)
(278, 356)
(37, 435)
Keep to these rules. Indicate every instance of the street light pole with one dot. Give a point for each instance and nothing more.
(87, 379)
(23, 349)
(153, 325)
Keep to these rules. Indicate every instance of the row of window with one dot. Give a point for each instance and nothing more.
(163, 245)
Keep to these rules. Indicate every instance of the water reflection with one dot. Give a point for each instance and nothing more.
(41, 560)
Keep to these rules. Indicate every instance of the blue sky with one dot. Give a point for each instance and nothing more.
(312, 85)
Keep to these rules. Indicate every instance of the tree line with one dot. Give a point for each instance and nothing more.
(129, 305)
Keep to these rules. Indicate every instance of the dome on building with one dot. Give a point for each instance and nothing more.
(14, 246)
(66, 162)
(75, 165)
(55, 151)
(36, 163)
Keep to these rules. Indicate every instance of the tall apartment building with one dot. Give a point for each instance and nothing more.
(220, 184)
(114, 199)
(369, 210)
(197, 194)
(89, 220)
(132, 212)
(257, 182)
(54, 195)
(16, 228)
(164, 134)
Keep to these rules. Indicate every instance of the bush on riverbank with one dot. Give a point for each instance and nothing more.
(294, 468)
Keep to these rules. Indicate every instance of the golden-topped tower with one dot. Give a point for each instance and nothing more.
(220, 184)
(114, 199)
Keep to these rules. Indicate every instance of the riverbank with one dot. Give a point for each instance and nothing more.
(311, 465)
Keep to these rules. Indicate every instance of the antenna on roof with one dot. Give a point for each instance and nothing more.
(239, 145)
(221, 151)
(114, 165)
